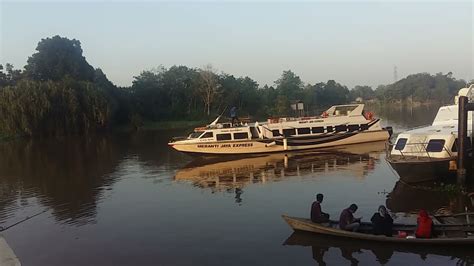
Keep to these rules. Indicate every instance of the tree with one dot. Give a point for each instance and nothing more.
(58, 57)
(365, 92)
(289, 85)
(208, 87)
(10, 76)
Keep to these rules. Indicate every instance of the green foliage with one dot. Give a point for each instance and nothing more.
(10, 76)
(56, 58)
(422, 87)
(60, 93)
(52, 108)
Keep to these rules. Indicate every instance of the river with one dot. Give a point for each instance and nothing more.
(127, 199)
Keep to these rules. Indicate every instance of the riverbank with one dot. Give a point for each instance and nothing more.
(5, 137)
(147, 125)
(7, 256)
(161, 125)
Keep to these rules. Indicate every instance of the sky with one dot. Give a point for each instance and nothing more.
(352, 42)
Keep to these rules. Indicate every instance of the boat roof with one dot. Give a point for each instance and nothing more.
(436, 129)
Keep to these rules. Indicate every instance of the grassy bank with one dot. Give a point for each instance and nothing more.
(147, 125)
(162, 125)
(5, 137)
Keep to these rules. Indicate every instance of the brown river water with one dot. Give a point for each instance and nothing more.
(127, 199)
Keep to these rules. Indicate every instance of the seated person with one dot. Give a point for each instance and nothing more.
(347, 221)
(382, 222)
(424, 225)
(317, 215)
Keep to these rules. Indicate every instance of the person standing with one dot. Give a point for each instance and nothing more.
(317, 215)
(347, 221)
(233, 115)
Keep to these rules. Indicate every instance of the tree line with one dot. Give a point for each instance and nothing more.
(58, 93)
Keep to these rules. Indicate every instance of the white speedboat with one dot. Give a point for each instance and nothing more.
(430, 152)
(339, 125)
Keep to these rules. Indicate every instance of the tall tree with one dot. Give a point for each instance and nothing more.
(58, 57)
(208, 87)
(289, 85)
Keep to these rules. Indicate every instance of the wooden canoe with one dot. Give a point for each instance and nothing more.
(446, 234)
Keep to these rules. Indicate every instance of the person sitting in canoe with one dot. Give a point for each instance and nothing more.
(347, 221)
(317, 215)
(424, 225)
(382, 222)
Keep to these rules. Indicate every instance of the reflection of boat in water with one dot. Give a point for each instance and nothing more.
(339, 125)
(446, 234)
(429, 153)
(321, 248)
(235, 172)
(409, 198)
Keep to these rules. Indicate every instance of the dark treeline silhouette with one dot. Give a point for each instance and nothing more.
(58, 92)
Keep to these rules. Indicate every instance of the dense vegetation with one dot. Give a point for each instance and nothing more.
(59, 93)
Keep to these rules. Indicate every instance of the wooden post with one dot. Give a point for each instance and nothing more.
(462, 135)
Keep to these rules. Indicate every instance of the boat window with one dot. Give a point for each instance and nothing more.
(455, 144)
(276, 133)
(207, 135)
(352, 128)
(341, 128)
(241, 135)
(195, 135)
(254, 131)
(435, 145)
(305, 130)
(223, 136)
(318, 129)
(344, 110)
(289, 132)
(364, 126)
(401, 144)
(329, 129)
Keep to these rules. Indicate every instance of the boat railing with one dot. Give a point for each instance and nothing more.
(419, 151)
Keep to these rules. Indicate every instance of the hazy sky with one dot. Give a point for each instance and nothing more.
(355, 43)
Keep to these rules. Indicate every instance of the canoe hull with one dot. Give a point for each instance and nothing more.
(301, 224)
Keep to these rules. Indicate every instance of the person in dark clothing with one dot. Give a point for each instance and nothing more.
(347, 221)
(233, 115)
(317, 215)
(382, 222)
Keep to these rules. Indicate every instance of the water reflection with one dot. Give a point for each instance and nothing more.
(324, 248)
(232, 174)
(68, 175)
(429, 196)
(402, 117)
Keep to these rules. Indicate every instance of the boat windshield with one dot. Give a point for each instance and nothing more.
(195, 135)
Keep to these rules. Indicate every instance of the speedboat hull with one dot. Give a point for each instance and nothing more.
(280, 144)
(418, 170)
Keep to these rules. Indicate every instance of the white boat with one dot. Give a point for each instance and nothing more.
(430, 152)
(339, 125)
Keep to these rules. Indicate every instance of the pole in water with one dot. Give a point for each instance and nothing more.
(21, 221)
(462, 136)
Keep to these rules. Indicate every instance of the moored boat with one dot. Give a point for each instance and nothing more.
(339, 125)
(429, 153)
(445, 233)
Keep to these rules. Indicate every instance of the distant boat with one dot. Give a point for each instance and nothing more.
(428, 153)
(339, 125)
(446, 234)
